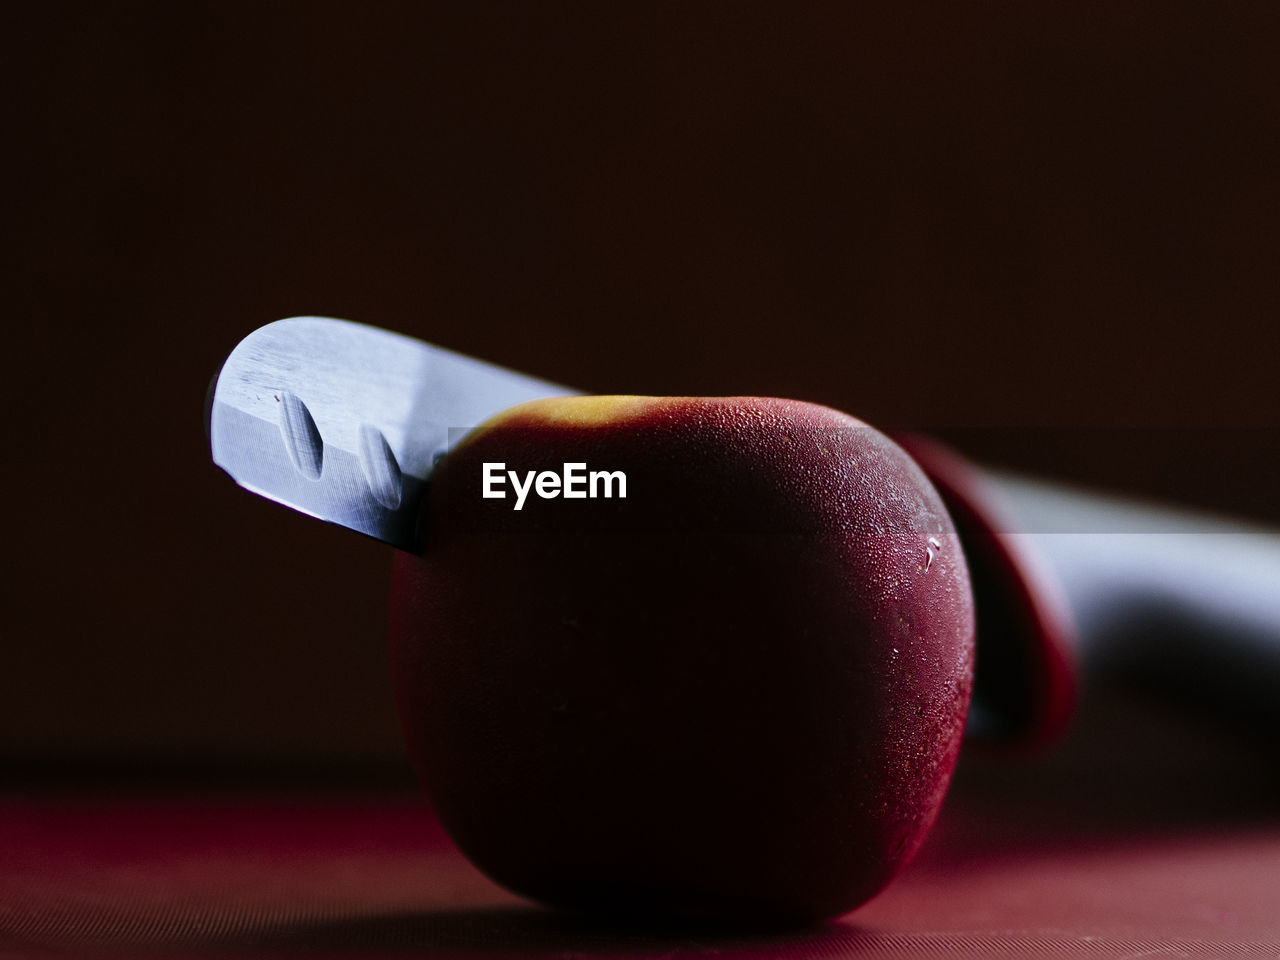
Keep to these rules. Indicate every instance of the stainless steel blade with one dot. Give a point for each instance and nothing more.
(345, 421)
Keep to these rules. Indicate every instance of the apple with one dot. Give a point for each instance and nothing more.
(738, 691)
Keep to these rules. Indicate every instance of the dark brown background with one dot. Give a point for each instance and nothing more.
(1049, 231)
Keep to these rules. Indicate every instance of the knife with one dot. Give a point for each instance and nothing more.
(345, 422)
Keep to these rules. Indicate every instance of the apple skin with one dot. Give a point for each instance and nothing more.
(737, 693)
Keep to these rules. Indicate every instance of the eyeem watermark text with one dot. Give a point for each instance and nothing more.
(573, 483)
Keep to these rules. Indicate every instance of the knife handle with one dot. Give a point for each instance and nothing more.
(1168, 601)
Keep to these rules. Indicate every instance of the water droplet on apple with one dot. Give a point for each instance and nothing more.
(931, 550)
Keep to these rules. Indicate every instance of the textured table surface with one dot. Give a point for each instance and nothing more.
(1028, 860)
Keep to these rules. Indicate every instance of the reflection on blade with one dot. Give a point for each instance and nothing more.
(344, 421)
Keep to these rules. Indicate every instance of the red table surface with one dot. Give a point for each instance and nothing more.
(1121, 858)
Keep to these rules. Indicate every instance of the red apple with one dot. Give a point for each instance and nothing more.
(737, 691)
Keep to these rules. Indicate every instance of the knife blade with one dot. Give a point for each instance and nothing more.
(345, 422)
